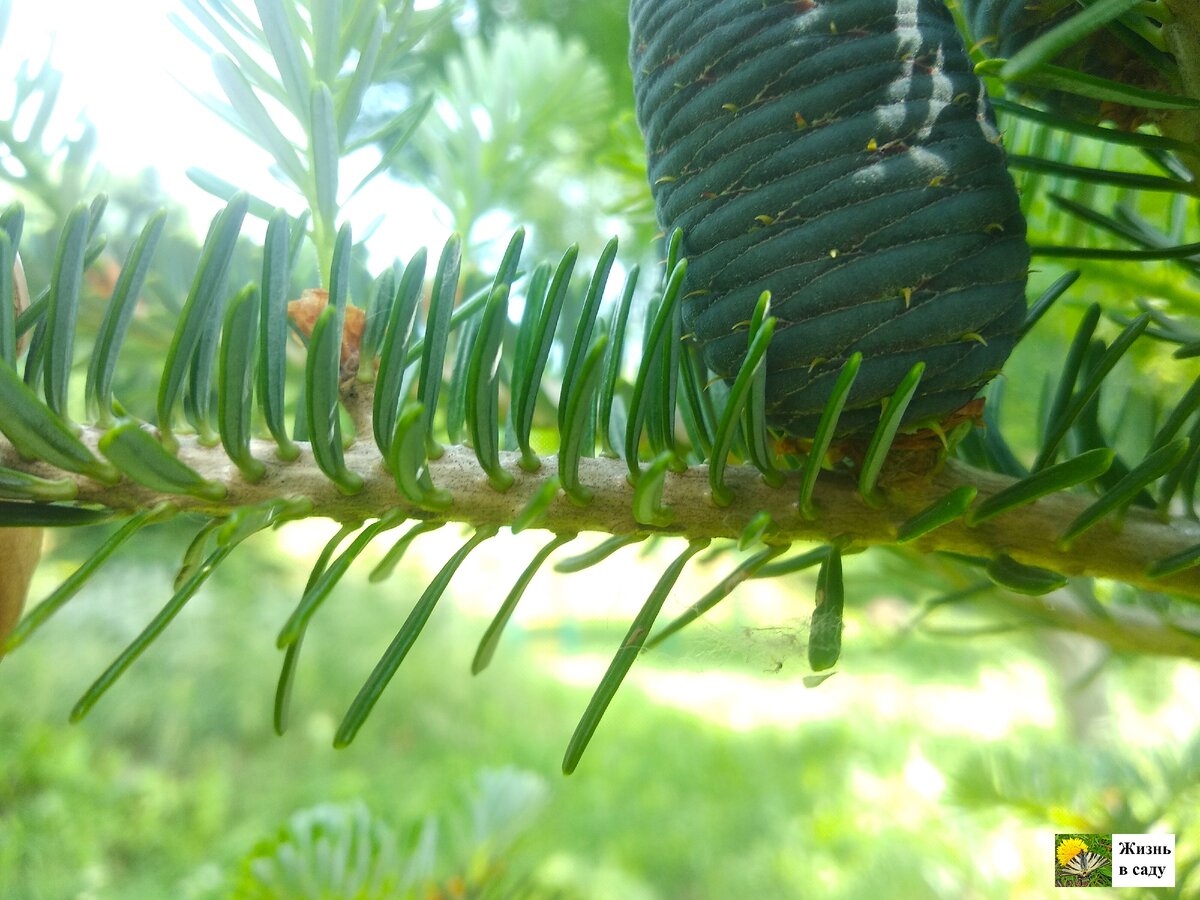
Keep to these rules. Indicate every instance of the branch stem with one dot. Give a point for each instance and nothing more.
(1182, 38)
(1029, 534)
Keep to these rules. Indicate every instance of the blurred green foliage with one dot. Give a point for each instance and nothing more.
(897, 785)
(515, 121)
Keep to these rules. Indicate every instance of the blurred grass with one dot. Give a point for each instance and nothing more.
(714, 774)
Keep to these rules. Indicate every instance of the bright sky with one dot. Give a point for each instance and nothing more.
(124, 65)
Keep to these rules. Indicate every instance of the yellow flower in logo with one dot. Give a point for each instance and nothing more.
(1069, 849)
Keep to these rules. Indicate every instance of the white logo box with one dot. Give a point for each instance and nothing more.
(1143, 860)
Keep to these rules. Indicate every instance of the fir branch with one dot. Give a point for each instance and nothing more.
(1029, 534)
